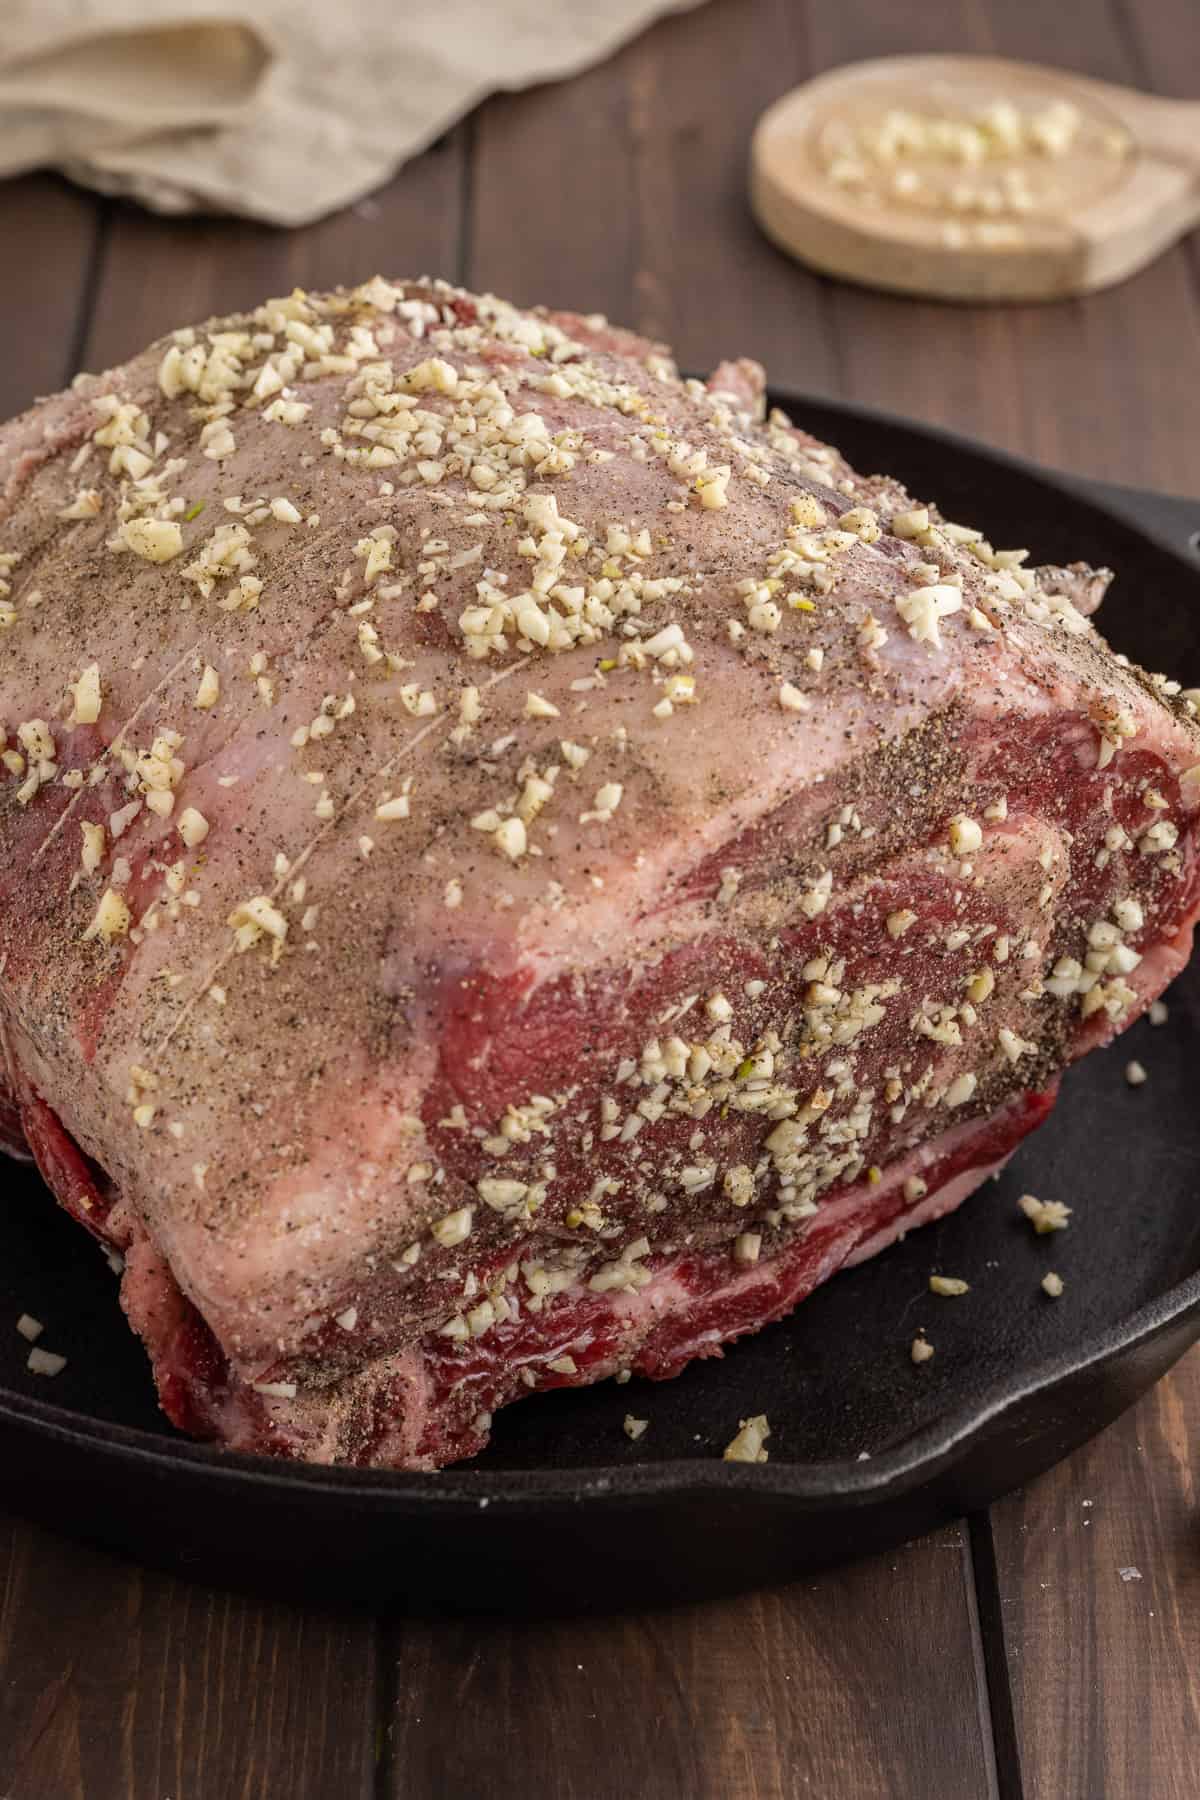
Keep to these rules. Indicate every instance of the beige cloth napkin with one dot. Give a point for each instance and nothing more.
(281, 109)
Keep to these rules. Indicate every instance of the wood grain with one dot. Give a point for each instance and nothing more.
(122, 1684)
(650, 222)
(1105, 1665)
(1153, 40)
(770, 1697)
(49, 233)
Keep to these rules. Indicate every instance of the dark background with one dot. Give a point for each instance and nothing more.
(623, 191)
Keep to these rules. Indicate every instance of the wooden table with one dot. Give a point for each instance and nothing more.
(1004, 1655)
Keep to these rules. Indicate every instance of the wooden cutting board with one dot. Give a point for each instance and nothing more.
(975, 178)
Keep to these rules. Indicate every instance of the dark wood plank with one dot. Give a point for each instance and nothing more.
(158, 273)
(49, 232)
(121, 1684)
(1164, 42)
(775, 1696)
(1118, 406)
(645, 216)
(1106, 1668)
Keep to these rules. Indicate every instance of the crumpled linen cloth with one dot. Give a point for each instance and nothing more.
(282, 110)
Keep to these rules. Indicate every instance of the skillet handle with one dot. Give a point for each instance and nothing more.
(1174, 521)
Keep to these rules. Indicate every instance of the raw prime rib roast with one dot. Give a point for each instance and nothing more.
(514, 867)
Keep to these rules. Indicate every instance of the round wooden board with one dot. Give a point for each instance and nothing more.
(1125, 190)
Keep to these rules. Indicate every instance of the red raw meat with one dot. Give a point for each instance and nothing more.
(515, 868)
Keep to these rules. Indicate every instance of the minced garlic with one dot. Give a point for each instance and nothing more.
(966, 836)
(510, 839)
(923, 608)
(392, 808)
(157, 540)
(1044, 1215)
(192, 827)
(255, 918)
(92, 853)
(87, 696)
(537, 707)
(750, 1443)
(112, 918)
(453, 1228)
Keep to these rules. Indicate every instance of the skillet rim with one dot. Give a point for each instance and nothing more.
(1169, 523)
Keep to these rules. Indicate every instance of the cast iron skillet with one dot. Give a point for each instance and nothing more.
(866, 1450)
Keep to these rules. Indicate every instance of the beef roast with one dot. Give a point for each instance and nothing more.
(515, 867)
